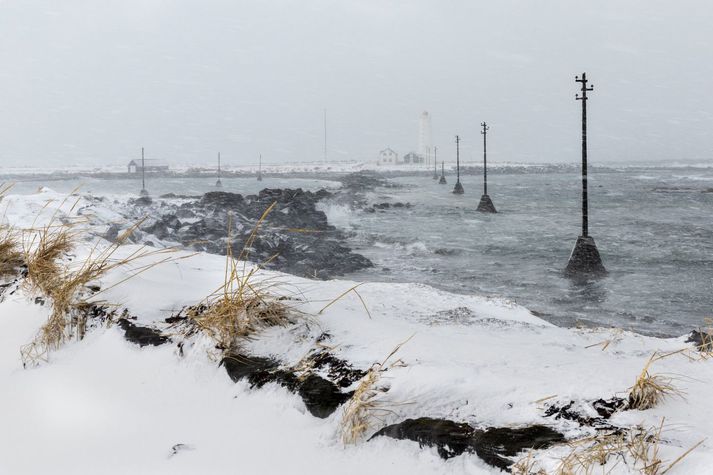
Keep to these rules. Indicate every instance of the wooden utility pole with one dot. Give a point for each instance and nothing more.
(458, 188)
(486, 204)
(259, 168)
(442, 181)
(585, 260)
(435, 163)
(585, 203)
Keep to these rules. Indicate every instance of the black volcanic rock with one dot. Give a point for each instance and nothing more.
(450, 438)
(142, 336)
(364, 181)
(164, 227)
(495, 445)
(221, 199)
(321, 396)
(294, 237)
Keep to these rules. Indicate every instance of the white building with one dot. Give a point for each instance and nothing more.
(388, 157)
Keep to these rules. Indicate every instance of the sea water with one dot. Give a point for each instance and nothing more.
(653, 228)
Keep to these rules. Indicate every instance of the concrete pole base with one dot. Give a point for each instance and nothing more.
(219, 184)
(442, 181)
(259, 177)
(143, 192)
(585, 260)
(486, 205)
(458, 189)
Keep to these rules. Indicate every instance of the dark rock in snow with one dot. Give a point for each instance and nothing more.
(254, 368)
(604, 408)
(450, 438)
(497, 444)
(164, 227)
(112, 233)
(703, 340)
(175, 319)
(494, 445)
(338, 370)
(222, 199)
(607, 407)
(321, 396)
(142, 336)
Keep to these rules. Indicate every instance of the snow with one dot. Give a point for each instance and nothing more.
(104, 405)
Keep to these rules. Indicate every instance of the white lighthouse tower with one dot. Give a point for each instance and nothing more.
(425, 147)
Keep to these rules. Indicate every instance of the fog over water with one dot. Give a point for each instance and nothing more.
(90, 82)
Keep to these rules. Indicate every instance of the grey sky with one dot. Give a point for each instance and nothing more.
(91, 81)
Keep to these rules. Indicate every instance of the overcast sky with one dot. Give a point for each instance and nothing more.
(91, 81)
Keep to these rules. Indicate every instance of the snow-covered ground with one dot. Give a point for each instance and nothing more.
(105, 405)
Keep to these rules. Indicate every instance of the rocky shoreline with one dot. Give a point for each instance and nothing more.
(295, 237)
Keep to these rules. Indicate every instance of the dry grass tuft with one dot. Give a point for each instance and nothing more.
(241, 306)
(638, 449)
(10, 255)
(364, 410)
(238, 314)
(527, 465)
(42, 255)
(66, 287)
(43, 249)
(589, 453)
(650, 389)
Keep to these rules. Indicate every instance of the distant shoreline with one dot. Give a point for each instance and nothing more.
(330, 173)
